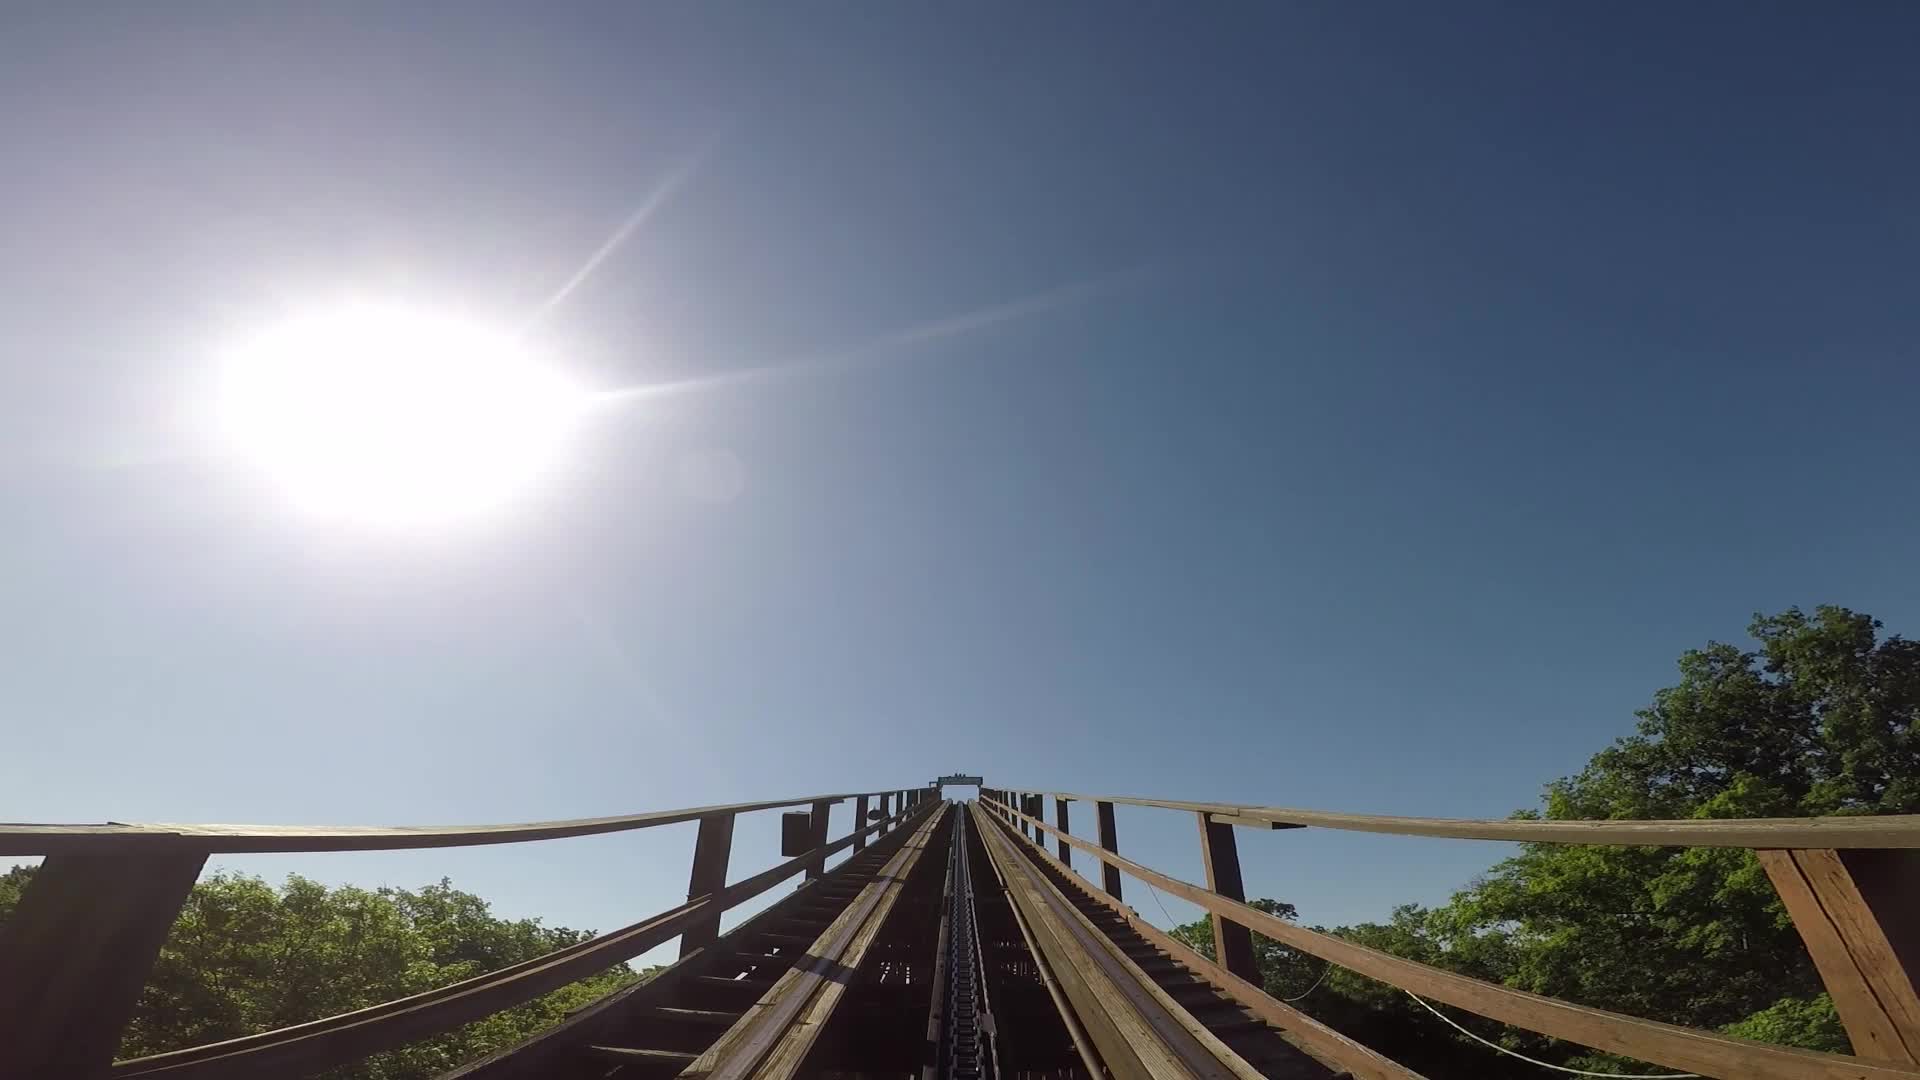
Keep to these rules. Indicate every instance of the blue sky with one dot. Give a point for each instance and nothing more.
(1352, 406)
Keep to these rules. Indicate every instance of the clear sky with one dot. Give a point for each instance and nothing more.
(1352, 406)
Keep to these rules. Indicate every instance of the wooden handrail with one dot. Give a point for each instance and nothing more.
(338, 1040)
(75, 961)
(1701, 1052)
(115, 838)
(1881, 831)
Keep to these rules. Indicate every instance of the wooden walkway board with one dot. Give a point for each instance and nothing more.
(1139, 1029)
(772, 1038)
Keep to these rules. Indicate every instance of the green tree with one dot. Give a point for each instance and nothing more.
(1820, 719)
(246, 957)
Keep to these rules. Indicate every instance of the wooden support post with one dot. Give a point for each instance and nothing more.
(76, 953)
(859, 822)
(1858, 911)
(711, 850)
(1060, 822)
(1109, 839)
(1232, 943)
(817, 866)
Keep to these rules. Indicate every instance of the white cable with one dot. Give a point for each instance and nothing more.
(1324, 972)
(1542, 1064)
(1163, 908)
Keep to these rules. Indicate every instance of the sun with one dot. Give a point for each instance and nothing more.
(394, 417)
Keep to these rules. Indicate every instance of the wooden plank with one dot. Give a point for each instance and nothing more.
(1665, 1044)
(156, 838)
(835, 976)
(627, 1055)
(1883, 831)
(336, 1040)
(75, 955)
(1252, 822)
(1098, 1023)
(1312, 1037)
(1231, 941)
(761, 1033)
(1867, 976)
(1161, 1037)
(1089, 1057)
(712, 848)
(1060, 822)
(1110, 841)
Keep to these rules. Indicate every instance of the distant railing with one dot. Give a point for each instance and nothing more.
(77, 950)
(1851, 884)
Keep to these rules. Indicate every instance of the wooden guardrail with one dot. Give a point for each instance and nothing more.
(77, 950)
(1851, 884)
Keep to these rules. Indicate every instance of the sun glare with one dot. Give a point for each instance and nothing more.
(395, 418)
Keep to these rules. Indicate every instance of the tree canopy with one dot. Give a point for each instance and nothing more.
(246, 956)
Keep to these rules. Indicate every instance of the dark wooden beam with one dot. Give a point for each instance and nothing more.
(76, 953)
(819, 864)
(859, 819)
(1060, 822)
(1231, 941)
(1110, 840)
(711, 851)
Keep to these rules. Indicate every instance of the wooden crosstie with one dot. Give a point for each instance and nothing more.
(77, 951)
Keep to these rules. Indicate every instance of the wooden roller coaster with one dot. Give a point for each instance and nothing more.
(951, 943)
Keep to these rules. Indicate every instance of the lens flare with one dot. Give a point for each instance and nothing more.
(395, 418)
